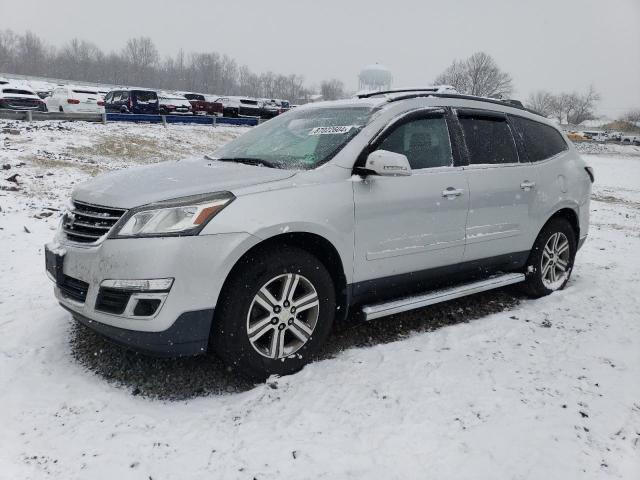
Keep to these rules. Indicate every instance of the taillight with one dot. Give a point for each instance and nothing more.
(73, 101)
(592, 176)
(100, 103)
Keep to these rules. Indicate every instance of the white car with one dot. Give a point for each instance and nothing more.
(75, 99)
(20, 97)
(173, 104)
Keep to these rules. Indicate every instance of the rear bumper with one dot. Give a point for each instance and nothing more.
(188, 336)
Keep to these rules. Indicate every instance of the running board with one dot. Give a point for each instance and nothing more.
(437, 296)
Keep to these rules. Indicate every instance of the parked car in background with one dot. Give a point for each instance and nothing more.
(575, 137)
(240, 106)
(173, 104)
(203, 104)
(272, 107)
(132, 101)
(615, 136)
(630, 139)
(249, 107)
(75, 99)
(230, 106)
(373, 206)
(20, 97)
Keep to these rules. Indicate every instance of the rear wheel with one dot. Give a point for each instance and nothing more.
(551, 259)
(274, 313)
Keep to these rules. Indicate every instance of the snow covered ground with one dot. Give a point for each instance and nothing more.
(491, 387)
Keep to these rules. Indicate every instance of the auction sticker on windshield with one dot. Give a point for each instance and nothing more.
(330, 130)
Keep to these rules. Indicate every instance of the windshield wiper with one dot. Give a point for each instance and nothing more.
(247, 161)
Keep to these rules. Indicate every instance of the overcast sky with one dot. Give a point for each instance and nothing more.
(544, 44)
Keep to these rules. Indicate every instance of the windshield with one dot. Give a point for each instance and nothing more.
(299, 139)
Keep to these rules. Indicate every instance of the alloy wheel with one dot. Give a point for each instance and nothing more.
(283, 316)
(554, 266)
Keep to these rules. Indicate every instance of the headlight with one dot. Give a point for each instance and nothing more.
(182, 216)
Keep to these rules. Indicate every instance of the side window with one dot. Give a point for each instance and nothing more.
(540, 141)
(124, 96)
(488, 140)
(108, 98)
(425, 142)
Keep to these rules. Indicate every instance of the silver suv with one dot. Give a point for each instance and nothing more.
(352, 209)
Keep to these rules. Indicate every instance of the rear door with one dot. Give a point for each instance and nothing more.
(412, 223)
(502, 188)
(548, 153)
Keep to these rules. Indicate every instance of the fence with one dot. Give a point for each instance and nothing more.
(31, 116)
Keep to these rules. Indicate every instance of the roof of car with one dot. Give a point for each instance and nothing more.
(440, 97)
(17, 86)
(129, 89)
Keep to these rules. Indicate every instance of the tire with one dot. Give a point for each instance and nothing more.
(557, 240)
(259, 353)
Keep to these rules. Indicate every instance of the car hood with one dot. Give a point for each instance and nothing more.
(133, 187)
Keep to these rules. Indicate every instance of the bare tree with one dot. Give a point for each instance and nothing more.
(541, 102)
(477, 75)
(632, 116)
(573, 108)
(139, 63)
(142, 56)
(32, 54)
(332, 89)
(582, 106)
(8, 50)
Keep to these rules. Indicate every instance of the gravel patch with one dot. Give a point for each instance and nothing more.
(183, 378)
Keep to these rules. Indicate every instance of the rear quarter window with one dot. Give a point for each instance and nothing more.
(540, 141)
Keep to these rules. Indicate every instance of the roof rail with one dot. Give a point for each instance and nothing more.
(507, 103)
(445, 91)
(426, 90)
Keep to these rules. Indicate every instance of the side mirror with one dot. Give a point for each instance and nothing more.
(388, 164)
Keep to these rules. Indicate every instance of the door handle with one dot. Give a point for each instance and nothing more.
(527, 185)
(451, 192)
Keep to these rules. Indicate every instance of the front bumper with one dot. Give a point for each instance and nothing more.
(198, 264)
(189, 335)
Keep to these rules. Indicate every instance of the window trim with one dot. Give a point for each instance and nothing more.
(403, 118)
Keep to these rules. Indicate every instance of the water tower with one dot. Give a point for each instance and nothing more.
(375, 77)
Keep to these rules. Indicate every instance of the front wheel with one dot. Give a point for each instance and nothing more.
(551, 259)
(274, 313)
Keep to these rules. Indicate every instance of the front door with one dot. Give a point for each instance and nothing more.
(404, 225)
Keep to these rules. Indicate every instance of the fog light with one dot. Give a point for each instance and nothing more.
(151, 285)
(146, 307)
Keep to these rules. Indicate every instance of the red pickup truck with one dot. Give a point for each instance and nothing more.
(201, 106)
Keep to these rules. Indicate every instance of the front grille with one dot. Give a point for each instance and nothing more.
(112, 301)
(73, 288)
(88, 223)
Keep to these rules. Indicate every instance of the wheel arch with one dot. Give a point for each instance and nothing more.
(570, 215)
(314, 244)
